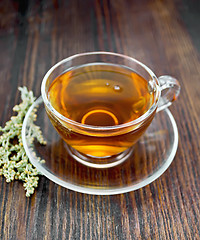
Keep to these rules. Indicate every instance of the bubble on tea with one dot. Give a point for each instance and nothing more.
(117, 88)
(138, 106)
(107, 84)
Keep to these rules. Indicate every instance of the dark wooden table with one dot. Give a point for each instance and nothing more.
(165, 35)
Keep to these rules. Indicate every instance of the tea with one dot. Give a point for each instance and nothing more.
(100, 95)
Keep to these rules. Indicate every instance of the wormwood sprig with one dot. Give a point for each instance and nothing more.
(14, 163)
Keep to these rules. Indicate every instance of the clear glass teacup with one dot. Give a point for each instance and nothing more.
(101, 103)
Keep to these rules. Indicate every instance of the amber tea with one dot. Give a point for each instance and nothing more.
(100, 95)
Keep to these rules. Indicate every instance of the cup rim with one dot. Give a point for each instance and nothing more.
(100, 128)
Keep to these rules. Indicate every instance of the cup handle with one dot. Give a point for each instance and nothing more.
(170, 89)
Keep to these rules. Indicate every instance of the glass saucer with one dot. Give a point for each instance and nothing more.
(150, 157)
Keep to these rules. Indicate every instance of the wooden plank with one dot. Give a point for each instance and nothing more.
(34, 36)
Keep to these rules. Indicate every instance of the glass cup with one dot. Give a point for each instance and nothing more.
(106, 146)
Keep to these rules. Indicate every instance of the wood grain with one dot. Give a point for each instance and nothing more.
(164, 35)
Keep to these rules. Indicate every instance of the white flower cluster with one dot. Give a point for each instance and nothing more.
(14, 163)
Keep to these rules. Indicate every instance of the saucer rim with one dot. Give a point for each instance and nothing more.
(101, 191)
